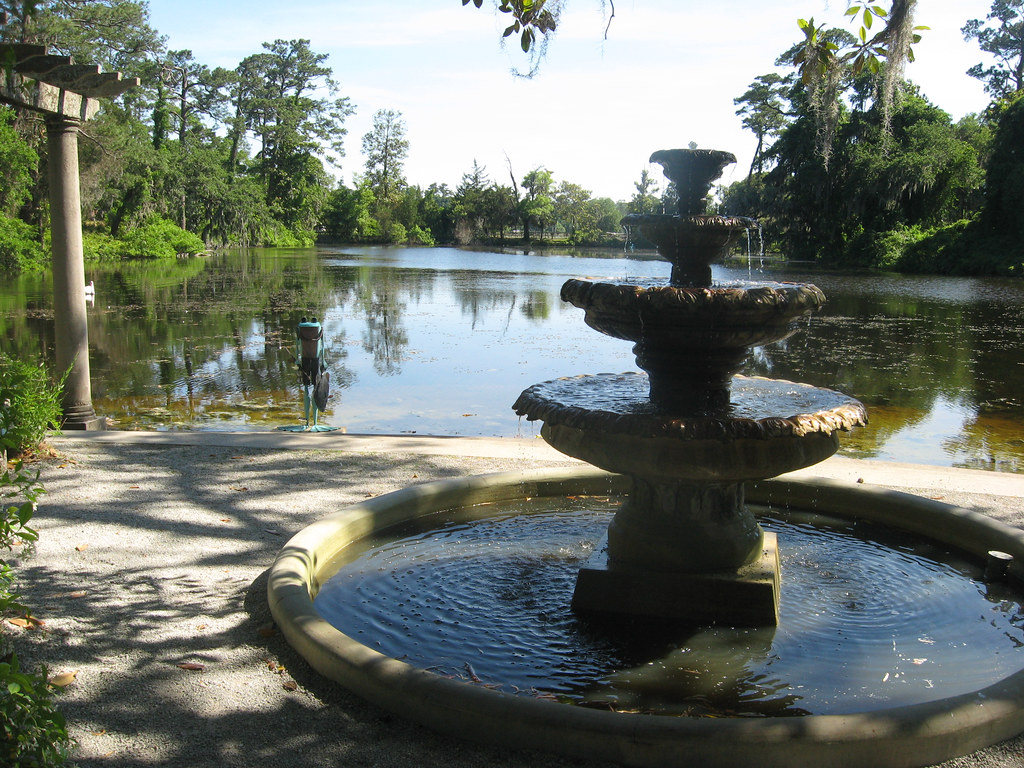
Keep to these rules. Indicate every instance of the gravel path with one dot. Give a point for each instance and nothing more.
(154, 556)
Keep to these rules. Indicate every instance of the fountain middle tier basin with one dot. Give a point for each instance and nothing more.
(693, 318)
(692, 340)
(771, 427)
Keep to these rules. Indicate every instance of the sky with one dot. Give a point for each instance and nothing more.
(666, 75)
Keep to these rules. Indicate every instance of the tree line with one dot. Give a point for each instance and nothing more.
(197, 157)
(847, 176)
(853, 164)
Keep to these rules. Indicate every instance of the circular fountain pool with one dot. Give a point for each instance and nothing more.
(868, 661)
(869, 618)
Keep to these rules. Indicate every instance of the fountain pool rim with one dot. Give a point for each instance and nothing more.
(915, 735)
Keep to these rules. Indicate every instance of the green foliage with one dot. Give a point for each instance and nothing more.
(886, 182)
(20, 250)
(17, 162)
(1001, 35)
(396, 233)
(952, 249)
(33, 733)
(29, 404)
(1004, 188)
(533, 22)
(279, 236)
(419, 236)
(99, 246)
(19, 491)
(159, 238)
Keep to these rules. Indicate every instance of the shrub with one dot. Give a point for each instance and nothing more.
(99, 246)
(946, 250)
(18, 493)
(158, 238)
(396, 233)
(33, 733)
(29, 404)
(279, 236)
(420, 236)
(20, 250)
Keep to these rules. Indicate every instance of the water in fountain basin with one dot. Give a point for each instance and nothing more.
(869, 618)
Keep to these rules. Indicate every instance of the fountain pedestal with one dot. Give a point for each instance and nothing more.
(744, 596)
(684, 546)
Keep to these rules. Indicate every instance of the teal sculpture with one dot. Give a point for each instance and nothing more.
(313, 375)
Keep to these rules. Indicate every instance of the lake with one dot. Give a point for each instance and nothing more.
(442, 340)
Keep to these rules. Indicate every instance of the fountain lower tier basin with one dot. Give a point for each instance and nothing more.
(880, 733)
(770, 427)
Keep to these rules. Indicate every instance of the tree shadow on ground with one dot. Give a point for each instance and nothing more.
(151, 558)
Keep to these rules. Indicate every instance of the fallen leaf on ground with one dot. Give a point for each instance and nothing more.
(20, 622)
(133, 487)
(267, 630)
(82, 547)
(290, 685)
(63, 680)
(191, 665)
(225, 519)
(238, 488)
(78, 593)
(200, 626)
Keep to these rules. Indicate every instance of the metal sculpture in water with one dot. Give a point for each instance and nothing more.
(314, 378)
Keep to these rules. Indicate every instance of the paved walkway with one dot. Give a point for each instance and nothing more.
(153, 554)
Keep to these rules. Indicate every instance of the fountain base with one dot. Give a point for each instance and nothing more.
(746, 597)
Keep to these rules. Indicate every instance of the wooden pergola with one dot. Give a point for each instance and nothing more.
(66, 94)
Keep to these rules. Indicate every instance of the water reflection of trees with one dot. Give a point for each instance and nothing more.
(202, 334)
(481, 299)
(901, 355)
(380, 297)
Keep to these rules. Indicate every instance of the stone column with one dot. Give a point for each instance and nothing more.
(70, 322)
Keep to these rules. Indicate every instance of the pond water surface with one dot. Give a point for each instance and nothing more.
(442, 340)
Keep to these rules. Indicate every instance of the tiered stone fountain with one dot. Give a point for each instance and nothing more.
(690, 433)
(686, 437)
